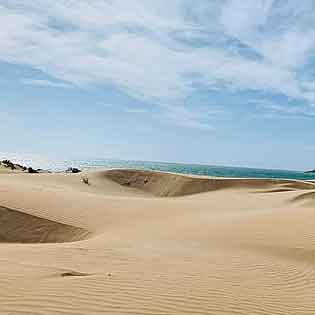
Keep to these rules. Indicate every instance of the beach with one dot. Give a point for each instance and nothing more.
(148, 242)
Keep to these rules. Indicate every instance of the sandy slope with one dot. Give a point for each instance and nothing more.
(136, 242)
(6, 170)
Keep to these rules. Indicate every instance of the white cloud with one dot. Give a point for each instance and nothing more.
(245, 17)
(183, 117)
(135, 110)
(291, 49)
(149, 48)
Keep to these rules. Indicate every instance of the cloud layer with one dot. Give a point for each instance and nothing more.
(164, 51)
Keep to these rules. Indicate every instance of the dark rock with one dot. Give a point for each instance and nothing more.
(31, 170)
(310, 172)
(73, 170)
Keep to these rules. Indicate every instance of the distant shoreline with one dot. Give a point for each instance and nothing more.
(193, 169)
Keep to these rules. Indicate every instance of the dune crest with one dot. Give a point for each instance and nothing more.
(164, 184)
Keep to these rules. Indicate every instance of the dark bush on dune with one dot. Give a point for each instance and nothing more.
(8, 163)
(19, 167)
(23, 168)
(31, 170)
(85, 180)
(73, 170)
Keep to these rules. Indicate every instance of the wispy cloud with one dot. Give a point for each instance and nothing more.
(291, 110)
(272, 109)
(163, 51)
(46, 83)
(135, 110)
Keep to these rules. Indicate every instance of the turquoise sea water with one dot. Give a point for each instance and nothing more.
(208, 170)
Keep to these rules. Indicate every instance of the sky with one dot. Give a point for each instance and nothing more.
(221, 82)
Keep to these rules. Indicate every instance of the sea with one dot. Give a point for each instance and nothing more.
(182, 168)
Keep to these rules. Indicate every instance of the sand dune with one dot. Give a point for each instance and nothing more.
(6, 170)
(171, 185)
(19, 227)
(142, 242)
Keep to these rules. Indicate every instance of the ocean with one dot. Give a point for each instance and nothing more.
(195, 169)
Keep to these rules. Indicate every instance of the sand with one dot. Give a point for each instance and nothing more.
(138, 242)
(7, 170)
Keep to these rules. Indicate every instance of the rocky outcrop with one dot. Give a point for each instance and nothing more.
(20, 168)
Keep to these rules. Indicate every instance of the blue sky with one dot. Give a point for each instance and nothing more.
(218, 82)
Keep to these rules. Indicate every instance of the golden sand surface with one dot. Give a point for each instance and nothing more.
(142, 242)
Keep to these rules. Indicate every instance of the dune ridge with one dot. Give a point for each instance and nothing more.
(164, 184)
(144, 242)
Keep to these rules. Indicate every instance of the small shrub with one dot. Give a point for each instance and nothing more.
(85, 180)
(31, 170)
